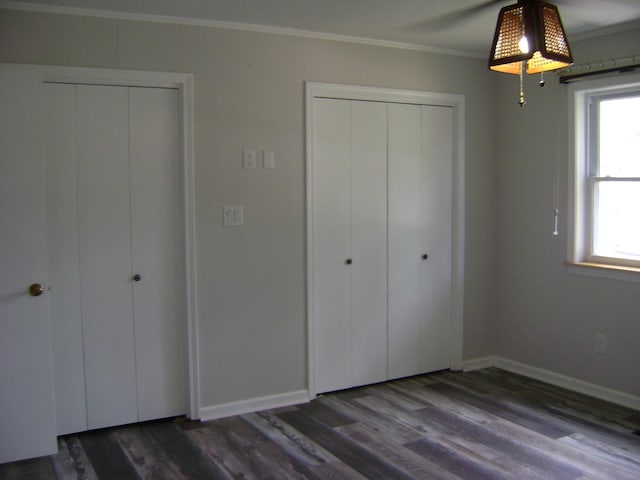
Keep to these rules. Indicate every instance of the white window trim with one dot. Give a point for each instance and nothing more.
(579, 261)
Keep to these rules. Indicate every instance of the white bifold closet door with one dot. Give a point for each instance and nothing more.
(350, 253)
(420, 236)
(381, 246)
(115, 254)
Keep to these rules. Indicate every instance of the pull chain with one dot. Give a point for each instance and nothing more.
(522, 101)
(542, 83)
(556, 180)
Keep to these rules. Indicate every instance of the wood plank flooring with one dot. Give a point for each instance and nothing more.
(488, 424)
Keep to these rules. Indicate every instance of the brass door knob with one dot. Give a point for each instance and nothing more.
(36, 289)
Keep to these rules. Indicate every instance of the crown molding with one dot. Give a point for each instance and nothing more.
(249, 27)
(617, 28)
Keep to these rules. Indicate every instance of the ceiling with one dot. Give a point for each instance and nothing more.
(410, 22)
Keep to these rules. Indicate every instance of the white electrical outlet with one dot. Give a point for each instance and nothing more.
(601, 343)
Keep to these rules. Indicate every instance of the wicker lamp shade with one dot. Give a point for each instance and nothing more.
(529, 31)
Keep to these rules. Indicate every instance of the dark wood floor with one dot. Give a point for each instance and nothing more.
(487, 424)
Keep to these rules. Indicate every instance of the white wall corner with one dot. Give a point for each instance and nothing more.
(479, 363)
(557, 379)
(251, 405)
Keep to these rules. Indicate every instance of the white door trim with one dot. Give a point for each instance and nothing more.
(183, 82)
(356, 92)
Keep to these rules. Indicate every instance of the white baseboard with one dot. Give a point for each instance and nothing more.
(253, 405)
(302, 396)
(479, 363)
(570, 383)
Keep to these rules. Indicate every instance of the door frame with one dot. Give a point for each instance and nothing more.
(389, 95)
(183, 82)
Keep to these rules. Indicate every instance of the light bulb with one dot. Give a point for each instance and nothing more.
(523, 44)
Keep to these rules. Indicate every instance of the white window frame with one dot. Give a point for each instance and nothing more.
(580, 214)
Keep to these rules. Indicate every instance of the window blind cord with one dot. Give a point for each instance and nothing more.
(556, 186)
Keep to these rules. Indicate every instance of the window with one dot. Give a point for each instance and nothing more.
(605, 171)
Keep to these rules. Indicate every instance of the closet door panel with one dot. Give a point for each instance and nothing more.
(407, 342)
(157, 252)
(64, 265)
(369, 241)
(331, 278)
(105, 259)
(27, 410)
(394, 201)
(437, 180)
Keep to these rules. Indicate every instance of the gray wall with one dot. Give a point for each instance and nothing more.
(520, 302)
(249, 93)
(547, 317)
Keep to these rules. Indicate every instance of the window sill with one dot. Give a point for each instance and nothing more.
(612, 272)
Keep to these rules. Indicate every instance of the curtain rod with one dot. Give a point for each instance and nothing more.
(621, 65)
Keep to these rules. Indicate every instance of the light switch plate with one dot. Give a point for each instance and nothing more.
(268, 159)
(232, 216)
(249, 160)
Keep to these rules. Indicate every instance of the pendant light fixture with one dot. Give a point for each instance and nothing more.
(529, 38)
